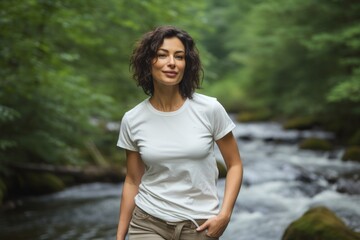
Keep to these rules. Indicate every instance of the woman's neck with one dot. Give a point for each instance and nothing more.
(167, 101)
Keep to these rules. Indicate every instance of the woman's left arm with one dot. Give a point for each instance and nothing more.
(229, 150)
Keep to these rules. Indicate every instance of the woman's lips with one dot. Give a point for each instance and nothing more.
(170, 74)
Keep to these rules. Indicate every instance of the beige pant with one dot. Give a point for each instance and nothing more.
(146, 227)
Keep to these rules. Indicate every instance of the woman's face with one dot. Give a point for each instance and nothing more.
(169, 64)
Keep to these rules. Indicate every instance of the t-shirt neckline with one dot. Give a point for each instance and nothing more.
(162, 113)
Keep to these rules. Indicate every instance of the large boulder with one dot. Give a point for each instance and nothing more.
(300, 123)
(39, 183)
(352, 153)
(319, 224)
(316, 144)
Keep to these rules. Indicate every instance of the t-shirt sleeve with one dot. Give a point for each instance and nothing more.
(125, 137)
(221, 122)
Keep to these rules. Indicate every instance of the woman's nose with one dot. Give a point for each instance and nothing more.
(171, 61)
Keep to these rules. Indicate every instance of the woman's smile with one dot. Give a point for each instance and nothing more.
(170, 74)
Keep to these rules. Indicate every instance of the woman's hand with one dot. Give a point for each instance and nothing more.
(215, 226)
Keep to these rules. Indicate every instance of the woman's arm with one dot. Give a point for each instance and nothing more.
(135, 170)
(230, 152)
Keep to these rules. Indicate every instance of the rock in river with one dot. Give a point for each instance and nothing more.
(319, 223)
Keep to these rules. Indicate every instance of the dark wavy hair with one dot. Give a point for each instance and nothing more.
(145, 52)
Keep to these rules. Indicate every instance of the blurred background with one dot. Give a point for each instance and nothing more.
(288, 72)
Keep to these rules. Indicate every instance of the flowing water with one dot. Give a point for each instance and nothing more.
(281, 182)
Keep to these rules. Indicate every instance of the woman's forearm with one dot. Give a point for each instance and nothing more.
(230, 152)
(127, 206)
(232, 188)
(135, 170)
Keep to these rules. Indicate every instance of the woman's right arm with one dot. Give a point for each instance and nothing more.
(135, 170)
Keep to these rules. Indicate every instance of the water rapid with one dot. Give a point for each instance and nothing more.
(281, 182)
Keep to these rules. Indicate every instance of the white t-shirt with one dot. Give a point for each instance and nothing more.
(177, 149)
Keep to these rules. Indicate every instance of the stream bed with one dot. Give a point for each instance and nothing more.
(281, 182)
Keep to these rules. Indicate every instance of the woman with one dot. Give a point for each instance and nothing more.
(170, 187)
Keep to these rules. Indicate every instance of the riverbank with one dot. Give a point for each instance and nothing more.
(41, 179)
(281, 182)
(339, 135)
(37, 179)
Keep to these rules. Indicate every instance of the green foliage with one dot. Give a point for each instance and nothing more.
(46, 103)
(7, 115)
(297, 58)
(347, 90)
(3, 191)
(65, 63)
(319, 223)
(227, 92)
(355, 138)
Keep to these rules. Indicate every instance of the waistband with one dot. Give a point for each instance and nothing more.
(188, 223)
(178, 226)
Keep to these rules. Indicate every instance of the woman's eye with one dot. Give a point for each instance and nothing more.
(179, 57)
(161, 56)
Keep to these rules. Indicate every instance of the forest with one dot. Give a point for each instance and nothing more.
(64, 73)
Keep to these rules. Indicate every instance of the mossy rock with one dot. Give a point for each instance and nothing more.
(40, 183)
(222, 169)
(355, 138)
(319, 224)
(352, 153)
(315, 144)
(300, 123)
(256, 116)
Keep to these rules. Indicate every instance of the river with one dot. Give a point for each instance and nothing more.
(281, 182)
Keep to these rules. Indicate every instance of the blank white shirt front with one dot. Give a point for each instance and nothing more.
(177, 149)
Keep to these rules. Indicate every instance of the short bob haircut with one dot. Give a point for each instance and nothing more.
(146, 51)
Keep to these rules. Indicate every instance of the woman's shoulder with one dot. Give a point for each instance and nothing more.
(205, 101)
(138, 109)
